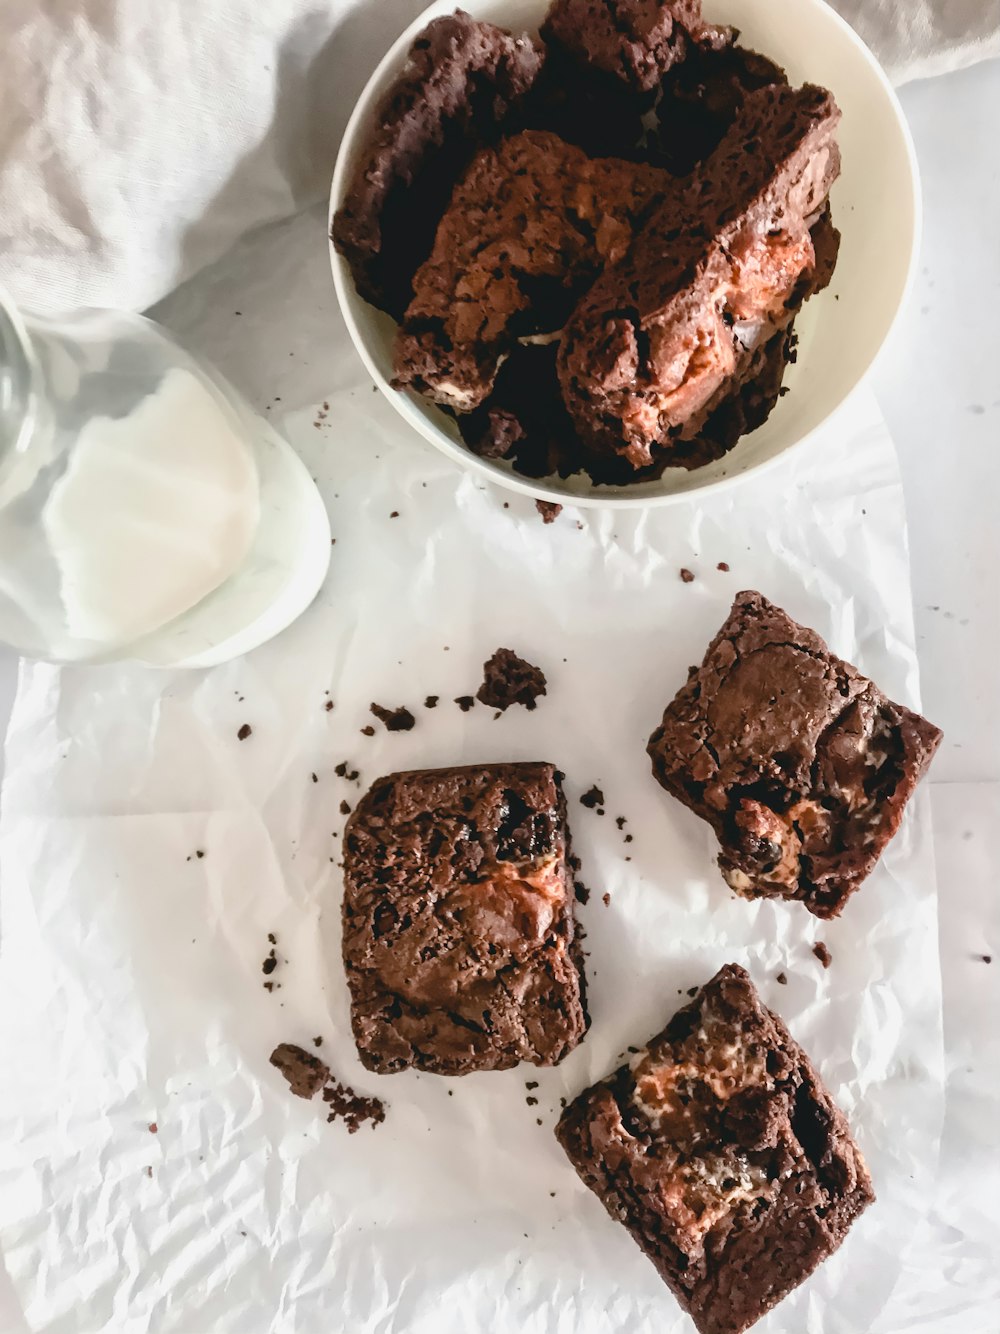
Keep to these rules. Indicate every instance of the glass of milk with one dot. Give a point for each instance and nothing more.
(146, 512)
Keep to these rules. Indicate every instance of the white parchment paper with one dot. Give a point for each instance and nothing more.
(130, 977)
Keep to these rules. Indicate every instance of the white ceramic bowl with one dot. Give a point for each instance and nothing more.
(876, 205)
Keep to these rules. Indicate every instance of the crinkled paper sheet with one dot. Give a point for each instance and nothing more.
(131, 987)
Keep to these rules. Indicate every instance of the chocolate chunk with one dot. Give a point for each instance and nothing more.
(245, 731)
(465, 702)
(549, 510)
(593, 797)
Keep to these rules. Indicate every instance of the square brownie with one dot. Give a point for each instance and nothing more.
(460, 943)
(798, 762)
(719, 1149)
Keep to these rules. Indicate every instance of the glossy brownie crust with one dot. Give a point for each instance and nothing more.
(798, 762)
(721, 1152)
(460, 943)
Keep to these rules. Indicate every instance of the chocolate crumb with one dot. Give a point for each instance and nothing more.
(628, 838)
(531, 1083)
(508, 679)
(606, 899)
(306, 1074)
(431, 701)
(352, 1108)
(823, 954)
(149, 1172)
(581, 891)
(782, 979)
(394, 514)
(692, 991)
(532, 1102)
(245, 731)
(314, 777)
(272, 939)
(328, 705)
(687, 576)
(465, 702)
(345, 808)
(620, 821)
(396, 720)
(723, 567)
(153, 1128)
(199, 853)
(593, 797)
(269, 986)
(269, 964)
(538, 1120)
(368, 730)
(986, 958)
(562, 1102)
(549, 510)
(634, 1051)
(317, 1042)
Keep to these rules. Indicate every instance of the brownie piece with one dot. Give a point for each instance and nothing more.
(636, 41)
(721, 1152)
(528, 229)
(798, 762)
(508, 679)
(460, 944)
(700, 99)
(463, 85)
(654, 345)
(306, 1073)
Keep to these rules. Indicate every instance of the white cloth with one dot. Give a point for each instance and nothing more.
(138, 141)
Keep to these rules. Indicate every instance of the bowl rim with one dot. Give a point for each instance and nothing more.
(542, 489)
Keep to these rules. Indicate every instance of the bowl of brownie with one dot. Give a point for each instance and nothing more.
(617, 252)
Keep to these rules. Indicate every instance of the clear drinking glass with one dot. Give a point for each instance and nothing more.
(145, 510)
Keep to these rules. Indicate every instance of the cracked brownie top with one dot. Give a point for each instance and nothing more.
(801, 764)
(529, 227)
(459, 936)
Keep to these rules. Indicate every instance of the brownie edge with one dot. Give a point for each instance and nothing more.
(720, 1151)
(460, 942)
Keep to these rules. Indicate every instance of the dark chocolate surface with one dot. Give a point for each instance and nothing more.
(800, 764)
(463, 85)
(460, 942)
(720, 267)
(721, 1152)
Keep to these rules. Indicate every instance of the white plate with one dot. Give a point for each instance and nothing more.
(876, 205)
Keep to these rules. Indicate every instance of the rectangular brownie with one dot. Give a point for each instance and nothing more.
(460, 942)
(798, 762)
(719, 268)
(721, 1152)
